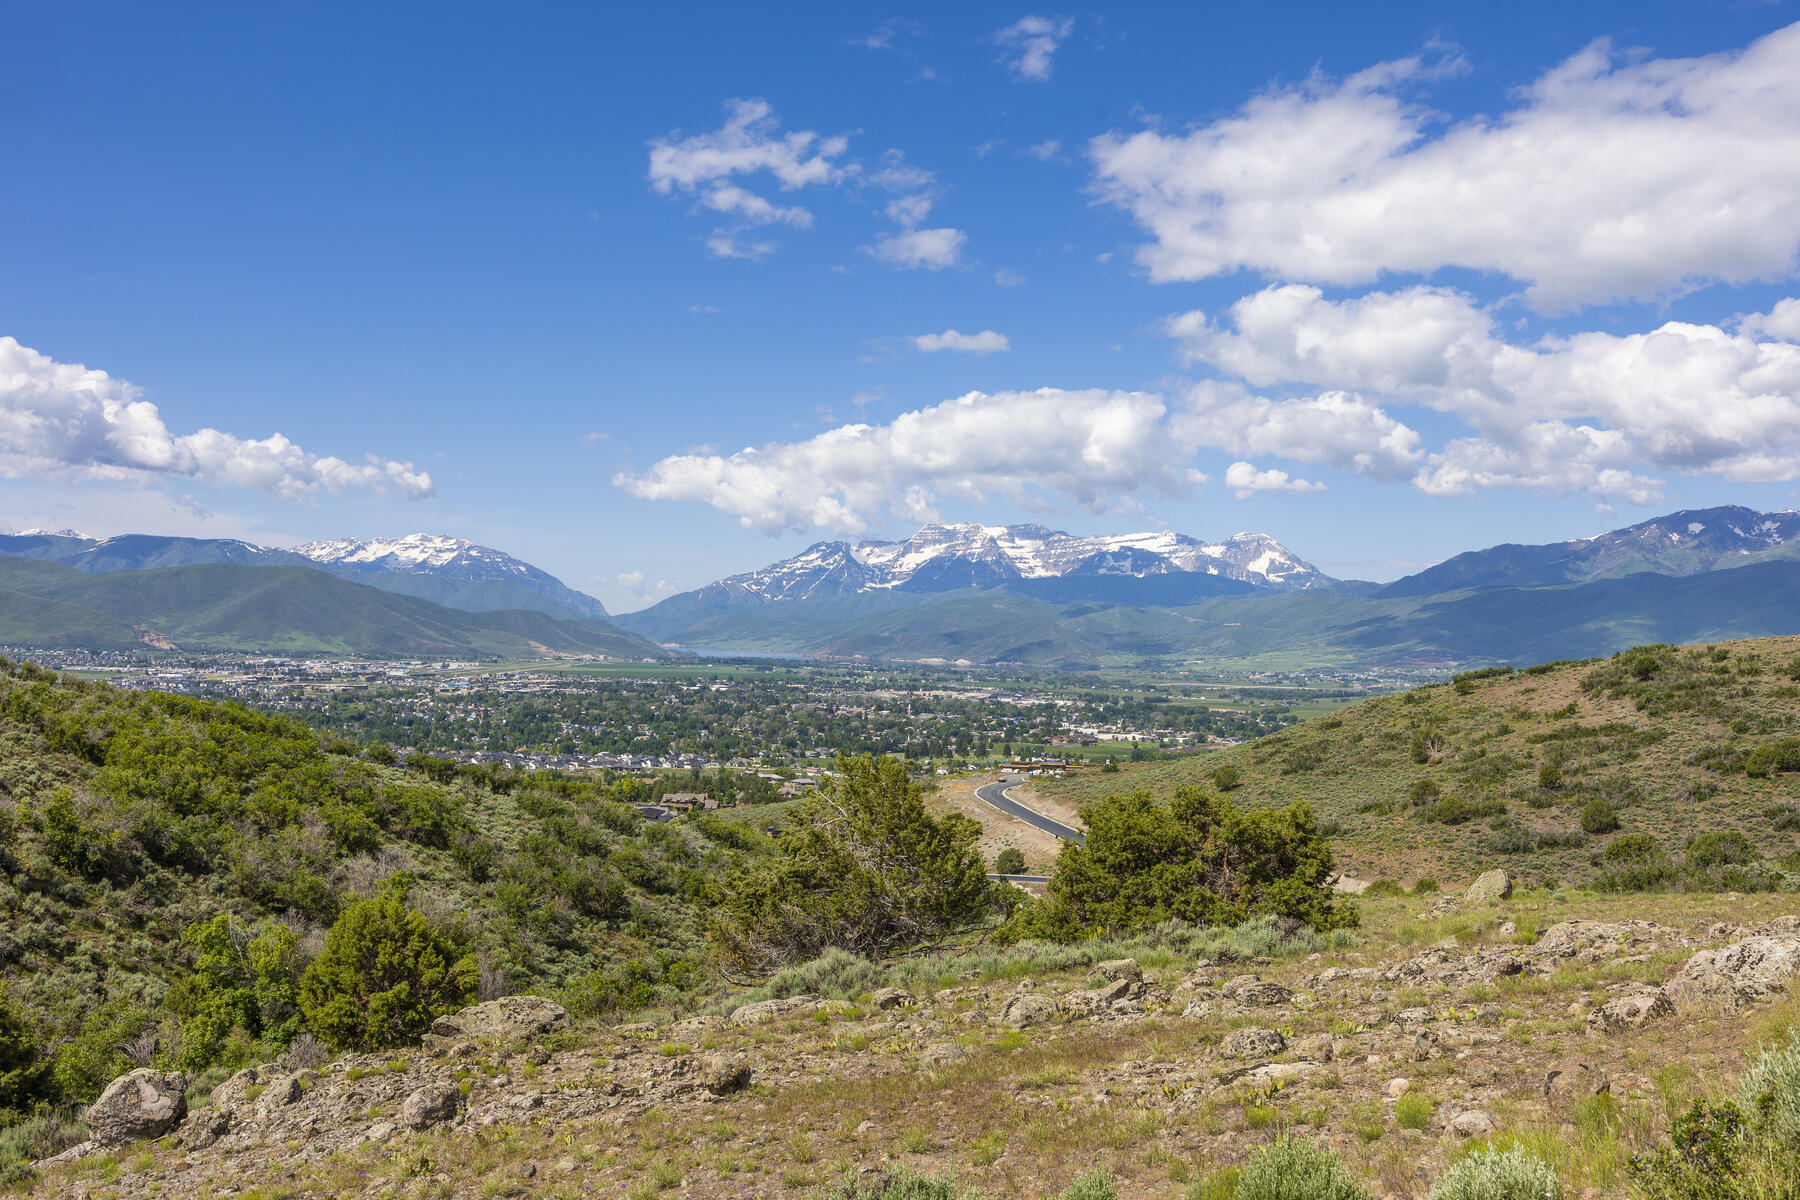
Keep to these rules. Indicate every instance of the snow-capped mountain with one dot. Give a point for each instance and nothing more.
(942, 558)
(442, 557)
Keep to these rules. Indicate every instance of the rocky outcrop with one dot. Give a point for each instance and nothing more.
(142, 1104)
(1737, 975)
(507, 1017)
(890, 997)
(768, 1010)
(1114, 969)
(1590, 941)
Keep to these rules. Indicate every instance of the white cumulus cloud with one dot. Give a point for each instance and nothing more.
(65, 421)
(1096, 449)
(708, 165)
(985, 342)
(1247, 481)
(1588, 412)
(1614, 175)
(1029, 45)
(920, 249)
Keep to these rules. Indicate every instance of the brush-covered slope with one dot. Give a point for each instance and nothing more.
(282, 610)
(127, 816)
(1661, 734)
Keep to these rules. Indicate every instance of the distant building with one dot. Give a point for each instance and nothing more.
(688, 802)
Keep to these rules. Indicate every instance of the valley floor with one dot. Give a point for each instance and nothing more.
(1446, 1021)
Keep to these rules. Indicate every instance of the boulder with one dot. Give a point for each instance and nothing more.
(1396, 1088)
(1625, 1013)
(941, 1054)
(1253, 1042)
(1116, 968)
(1474, 1123)
(1028, 1008)
(1575, 1079)
(431, 1105)
(723, 1074)
(1248, 989)
(507, 1017)
(891, 997)
(1490, 887)
(141, 1104)
(1413, 1016)
(1736, 975)
(768, 1010)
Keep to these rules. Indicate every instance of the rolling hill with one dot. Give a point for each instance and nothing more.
(1451, 779)
(278, 610)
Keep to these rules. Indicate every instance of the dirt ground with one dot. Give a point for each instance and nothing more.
(999, 831)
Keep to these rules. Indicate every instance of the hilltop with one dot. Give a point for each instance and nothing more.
(1496, 768)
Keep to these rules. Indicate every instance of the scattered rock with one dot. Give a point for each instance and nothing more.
(1397, 1088)
(1490, 887)
(722, 1074)
(891, 997)
(1197, 1010)
(1317, 1048)
(1412, 1016)
(507, 1017)
(141, 1104)
(430, 1105)
(1575, 1078)
(1474, 1123)
(768, 1010)
(1626, 1013)
(1736, 975)
(1253, 1042)
(1028, 1008)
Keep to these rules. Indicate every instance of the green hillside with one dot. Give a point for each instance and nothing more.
(282, 610)
(1498, 770)
(128, 817)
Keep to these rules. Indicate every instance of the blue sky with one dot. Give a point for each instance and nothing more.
(1386, 284)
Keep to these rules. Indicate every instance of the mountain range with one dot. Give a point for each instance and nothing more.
(449, 571)
(1029, 595)
(977, 594)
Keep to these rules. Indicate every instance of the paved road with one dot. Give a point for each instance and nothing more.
(1019, 878)
(994, 796)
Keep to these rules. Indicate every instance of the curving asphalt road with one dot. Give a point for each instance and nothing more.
(994, 796)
